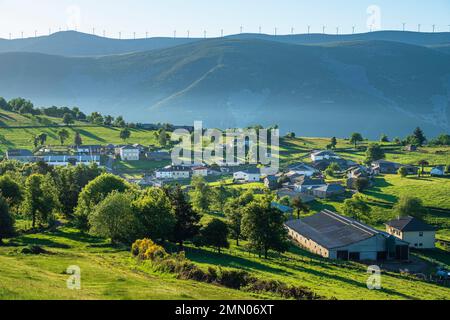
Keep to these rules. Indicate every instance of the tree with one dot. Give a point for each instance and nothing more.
(108, 121)
(72, 180)
(3, 104)
(119, 122)
(403, 172)
(113, 218)
(6, 220)
(215, 234)
(361, 184)
(290, 135)
(186, 219)
(11, 191)
(332, 169)
(40, 199)
(68, 119)
(357, 209)
(299, 207)
(155, 214)
(63, 135)
(201, 196)
(162, 137)
(355, 138)
(93, 193)
(419, 135)
(384, 138)
(234, 212)
(333, 143)
(125, 134)
(219, 197)
(423, 164)
(374, 152)
(42, 138)
(264, 228)
(77, 140)
(410, 206)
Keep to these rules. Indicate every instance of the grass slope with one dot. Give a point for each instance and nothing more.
(106, 273)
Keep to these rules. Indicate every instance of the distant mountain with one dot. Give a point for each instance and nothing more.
(76, 44)
(369, 86)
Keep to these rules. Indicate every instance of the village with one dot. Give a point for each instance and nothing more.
(326, 233)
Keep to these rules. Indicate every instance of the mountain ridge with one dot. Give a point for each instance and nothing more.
(369, 86)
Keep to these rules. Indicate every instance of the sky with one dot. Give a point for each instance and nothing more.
(163, 17)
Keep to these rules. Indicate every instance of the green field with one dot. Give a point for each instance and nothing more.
(106, 272)
(109, 273)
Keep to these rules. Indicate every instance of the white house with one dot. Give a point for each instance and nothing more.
(250, 175)
(65, 160)
(200, 171)
(333, 236)
(417, 233)
(438, 172)
(307, 185)
(173, 172)
(303, 169)
(323, 155)
(129, 153)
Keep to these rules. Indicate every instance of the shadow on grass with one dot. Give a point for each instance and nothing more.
(91, 135)
(230, 261)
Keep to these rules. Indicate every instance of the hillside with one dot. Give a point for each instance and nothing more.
(107, 273)
(77, 44)
(316, 90)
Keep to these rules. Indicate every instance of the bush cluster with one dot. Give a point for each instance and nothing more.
(184, 269)
(146, 249)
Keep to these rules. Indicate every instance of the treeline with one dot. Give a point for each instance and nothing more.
(70, 115)
(40, 193)
(108, 206)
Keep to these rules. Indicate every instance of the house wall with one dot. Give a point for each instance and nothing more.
(239, 176)
(253, 177)
(129, 155)
(415, 240)
(309, 244)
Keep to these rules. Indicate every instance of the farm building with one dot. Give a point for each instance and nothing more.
(129, 153)
(308, 184)
(302, 169)
(414, 231)
(20, 155)
(385, 167)
(328, 191)
(323, 155)
(333, 236)
(438, 171)
(174, 172)
(249, 175)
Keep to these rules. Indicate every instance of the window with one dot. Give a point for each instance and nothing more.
(420, 234)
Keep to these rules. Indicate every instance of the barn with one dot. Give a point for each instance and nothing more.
(333, 236)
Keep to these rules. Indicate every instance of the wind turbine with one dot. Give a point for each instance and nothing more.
(309, 29)
(35, 33)
(240, 29)
(10, 36)
(434, 27)
(418, 27)
(174, 34)
(204, 34)
(221, 33)
(134, 35)
(22, 34)
(260, 29)
(120, 35)
(188, 34)
(353, 30)
(93, 31)
(323, 29)
(292, 30)
(337, 30)
(404, 26)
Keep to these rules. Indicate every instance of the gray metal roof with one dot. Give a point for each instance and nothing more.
(332, 230)
(19, 153)
(410, 224)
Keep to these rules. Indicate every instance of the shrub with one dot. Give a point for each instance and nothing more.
(146, 249)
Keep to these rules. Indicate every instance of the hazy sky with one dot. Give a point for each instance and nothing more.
(164, 16)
